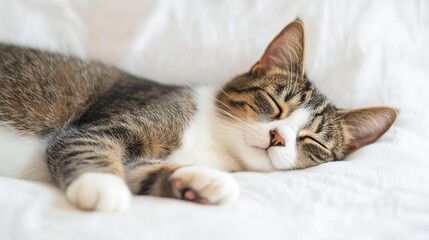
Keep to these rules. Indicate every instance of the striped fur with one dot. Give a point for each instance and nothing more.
(98, 122)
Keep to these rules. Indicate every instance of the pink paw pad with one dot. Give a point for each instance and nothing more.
(187, 193)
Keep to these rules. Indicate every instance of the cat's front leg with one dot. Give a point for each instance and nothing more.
(192, 183)
(89, 167)
(204, 185)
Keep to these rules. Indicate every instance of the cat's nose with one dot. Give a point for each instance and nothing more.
(276, 139)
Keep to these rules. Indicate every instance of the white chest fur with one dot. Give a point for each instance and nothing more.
(22, 156)
(198, 145)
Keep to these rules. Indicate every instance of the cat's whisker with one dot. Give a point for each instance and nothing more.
(232, 115)
(228, 107)
(241, 121)
(252, 131)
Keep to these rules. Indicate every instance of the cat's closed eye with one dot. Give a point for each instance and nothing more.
(311, 139)
(276, 106)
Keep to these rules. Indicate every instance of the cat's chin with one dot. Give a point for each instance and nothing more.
(258, 159)
(269, 159)
(280, 159)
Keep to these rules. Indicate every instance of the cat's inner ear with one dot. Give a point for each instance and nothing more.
(285, 52)
(364, 126)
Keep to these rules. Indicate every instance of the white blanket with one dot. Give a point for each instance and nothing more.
(359, 53)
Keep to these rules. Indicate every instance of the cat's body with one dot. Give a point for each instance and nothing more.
(68, 93)
(94, 126)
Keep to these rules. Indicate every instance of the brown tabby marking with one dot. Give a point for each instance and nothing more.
(152, 180)
(42, 91)
(96, 118)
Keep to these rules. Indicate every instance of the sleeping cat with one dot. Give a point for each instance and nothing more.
(100, 133)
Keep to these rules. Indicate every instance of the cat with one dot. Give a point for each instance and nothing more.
(101, 134)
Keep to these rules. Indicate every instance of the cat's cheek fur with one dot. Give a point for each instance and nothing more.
(99, 191)
(216, 186)
(275, 157)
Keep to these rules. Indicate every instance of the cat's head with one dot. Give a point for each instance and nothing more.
(276, 119)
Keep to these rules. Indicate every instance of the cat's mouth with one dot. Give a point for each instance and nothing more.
(256, 150)
(273, 156)
(261, 152)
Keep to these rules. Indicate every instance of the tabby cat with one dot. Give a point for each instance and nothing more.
(102, 134)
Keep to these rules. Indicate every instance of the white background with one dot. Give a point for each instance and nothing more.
(359, 53)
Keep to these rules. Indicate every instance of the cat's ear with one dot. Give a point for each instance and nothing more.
(365, 125)
(285, 52)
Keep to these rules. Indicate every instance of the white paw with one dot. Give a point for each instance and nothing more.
(204, 185)
(99, 191)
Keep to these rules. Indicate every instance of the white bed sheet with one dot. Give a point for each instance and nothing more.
(359, 53)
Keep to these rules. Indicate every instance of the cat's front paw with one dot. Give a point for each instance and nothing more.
(99, 191)
(204, 185)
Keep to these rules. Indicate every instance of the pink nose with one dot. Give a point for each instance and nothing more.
(276, 139)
